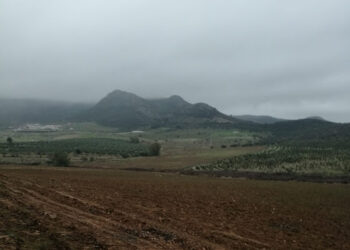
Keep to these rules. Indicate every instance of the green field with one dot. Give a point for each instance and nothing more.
(83, 145)
(286, 160)
(109, 145)
(110, 187)
(206, 150)
(67, 131)
(217, 137)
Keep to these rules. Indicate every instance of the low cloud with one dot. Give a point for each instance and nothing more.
(288, 59)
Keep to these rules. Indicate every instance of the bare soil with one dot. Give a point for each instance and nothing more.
(70, 208)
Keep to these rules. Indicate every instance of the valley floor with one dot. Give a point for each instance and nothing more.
(76, 208)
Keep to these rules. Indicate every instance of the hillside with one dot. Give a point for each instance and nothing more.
(18, 111)
(126, 110)
(260, 119)
(309, 131)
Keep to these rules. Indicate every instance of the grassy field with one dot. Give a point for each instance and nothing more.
(215, 137)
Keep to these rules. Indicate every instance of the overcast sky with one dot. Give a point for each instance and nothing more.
(289, 58)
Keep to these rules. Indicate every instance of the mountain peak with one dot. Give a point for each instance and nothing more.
(123, 98)
(127, 110)
(176, 97)
(177, 100)
(119, 92)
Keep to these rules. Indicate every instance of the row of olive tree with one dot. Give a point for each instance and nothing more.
(62, 158)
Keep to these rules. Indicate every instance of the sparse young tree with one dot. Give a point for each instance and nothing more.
(134, 139)
(9, 140)
(77, 151)
(154, 149)
(60, 159)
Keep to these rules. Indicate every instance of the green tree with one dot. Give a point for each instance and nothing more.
(9, 140)
(154, 149)
(77, 151)
(60, 159)
(134, 139)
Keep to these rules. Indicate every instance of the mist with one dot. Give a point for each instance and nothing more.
(286, 59)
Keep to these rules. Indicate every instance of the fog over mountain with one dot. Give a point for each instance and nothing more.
(288, 59)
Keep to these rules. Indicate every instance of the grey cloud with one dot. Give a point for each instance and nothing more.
(285, 58)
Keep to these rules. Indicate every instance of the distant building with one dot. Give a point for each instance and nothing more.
(35, 127)
(137, 132)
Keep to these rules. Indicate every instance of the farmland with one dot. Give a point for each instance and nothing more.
(195, 125)
(105, 200)
(70, 208)
(107, 145)
(285, 161)
(85, 145)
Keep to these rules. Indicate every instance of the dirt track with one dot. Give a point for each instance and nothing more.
(116, 210)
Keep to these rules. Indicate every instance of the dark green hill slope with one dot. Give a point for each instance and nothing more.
(18, 111)
(261, 119)
(309, 131)
(126, 110)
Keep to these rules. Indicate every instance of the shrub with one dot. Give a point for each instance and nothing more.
(154, 149)
(60, 159)
(124, 155)
(9, 140)
(78, 151)
(134, 139)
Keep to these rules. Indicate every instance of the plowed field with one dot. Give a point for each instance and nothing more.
(70, 208)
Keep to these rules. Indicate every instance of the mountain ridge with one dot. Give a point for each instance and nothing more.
(124, 109)
(260, 119)
(137, 112)
(19, 111)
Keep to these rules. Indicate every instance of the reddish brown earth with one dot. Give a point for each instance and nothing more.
(67, 208)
